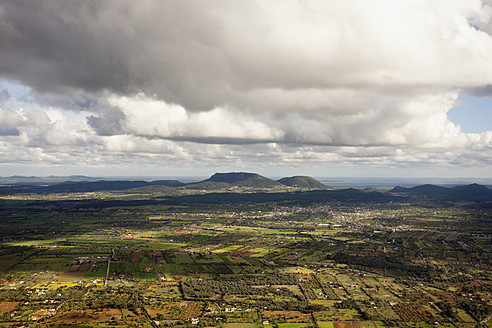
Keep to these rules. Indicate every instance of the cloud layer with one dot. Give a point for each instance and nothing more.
(279, 83)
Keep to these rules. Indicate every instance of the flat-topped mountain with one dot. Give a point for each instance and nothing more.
(235, 179)
(304, 182)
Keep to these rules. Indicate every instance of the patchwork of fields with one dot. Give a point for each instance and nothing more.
(356, 265)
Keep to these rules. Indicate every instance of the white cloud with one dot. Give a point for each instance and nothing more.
(9, 118)
(152, 118)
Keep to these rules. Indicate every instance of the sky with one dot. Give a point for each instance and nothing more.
(353, 88)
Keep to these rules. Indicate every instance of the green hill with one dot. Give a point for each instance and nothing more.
(302, 182)
(472, 192)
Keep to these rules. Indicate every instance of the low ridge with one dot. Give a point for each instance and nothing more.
(106, 185)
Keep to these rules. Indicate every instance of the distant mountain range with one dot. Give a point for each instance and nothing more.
(19, 179)
(220, 182)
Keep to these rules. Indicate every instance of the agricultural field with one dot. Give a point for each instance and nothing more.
(115, 260)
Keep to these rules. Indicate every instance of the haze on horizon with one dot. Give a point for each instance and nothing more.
(189, 88)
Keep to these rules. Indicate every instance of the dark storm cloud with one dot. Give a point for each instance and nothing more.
(122, 47)
(258, 56)
(43, 48)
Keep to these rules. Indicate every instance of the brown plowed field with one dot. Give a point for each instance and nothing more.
(85, 316)
(8, 306)
(412, 312)
(242, 253)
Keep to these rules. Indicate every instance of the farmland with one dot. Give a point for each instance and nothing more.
(134, 260)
